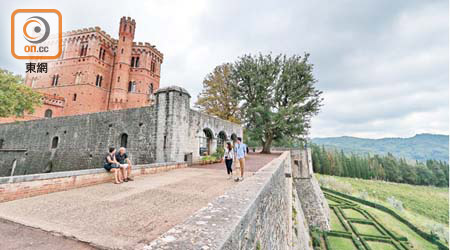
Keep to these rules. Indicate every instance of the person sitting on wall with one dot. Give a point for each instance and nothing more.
(112, 165)
(125, 164)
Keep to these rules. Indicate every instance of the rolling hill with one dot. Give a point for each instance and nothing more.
(419, 147)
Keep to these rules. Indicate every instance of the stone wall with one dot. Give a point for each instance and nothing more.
(252, 215)
(311, 197)
(83, 141)
(166, 131)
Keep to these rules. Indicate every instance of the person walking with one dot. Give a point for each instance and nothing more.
(228, 156)
(240, 151)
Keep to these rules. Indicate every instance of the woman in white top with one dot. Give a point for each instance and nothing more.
(228, 156)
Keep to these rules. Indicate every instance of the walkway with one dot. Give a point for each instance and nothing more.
(120, 216)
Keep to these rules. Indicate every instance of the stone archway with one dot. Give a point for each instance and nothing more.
(206, 142)
(221, 139)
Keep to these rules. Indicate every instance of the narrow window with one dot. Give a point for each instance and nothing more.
(151, 88)
(74, 97)
(152, 66)
(121, 51)
(84, 48)
(48, 113)
(55, 142)
(165, 142)
(132, 86)
(123, 39)
(118, 79)
(1, 143)
(136, 62)
(33, 81)
(55, 80)
(98, 81)
(124, 140)
(100, 53)
(78, 78)
(132, 62)
(103, 55)
(13, 167)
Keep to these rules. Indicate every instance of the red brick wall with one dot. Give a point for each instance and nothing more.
(92, 98)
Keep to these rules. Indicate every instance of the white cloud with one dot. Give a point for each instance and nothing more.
(383, 65)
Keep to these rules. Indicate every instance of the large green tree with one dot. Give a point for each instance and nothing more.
(15, 97)
(277, 95)
(216, 98)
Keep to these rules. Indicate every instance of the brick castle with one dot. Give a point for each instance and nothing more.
(96, 72)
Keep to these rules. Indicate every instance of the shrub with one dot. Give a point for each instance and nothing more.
(363, 195)
(395, 203)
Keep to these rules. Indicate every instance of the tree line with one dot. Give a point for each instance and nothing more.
(379, 167)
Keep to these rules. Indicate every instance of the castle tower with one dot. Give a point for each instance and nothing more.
(172, 105)
(119, 90)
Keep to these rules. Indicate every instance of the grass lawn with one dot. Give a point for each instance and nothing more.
(431, 202)
(375, 245)
(336, 225)
(351, 213)
(367, 229)
(341, 243)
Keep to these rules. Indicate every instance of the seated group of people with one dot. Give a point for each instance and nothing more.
(119, 164)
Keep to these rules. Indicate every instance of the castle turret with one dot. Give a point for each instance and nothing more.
(172, 105)
(122, 63)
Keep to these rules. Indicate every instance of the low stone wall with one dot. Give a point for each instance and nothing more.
(22, 186)
(252, 215)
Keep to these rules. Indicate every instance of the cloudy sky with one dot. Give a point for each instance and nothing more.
(383, 65)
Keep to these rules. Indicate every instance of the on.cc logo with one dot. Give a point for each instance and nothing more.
(40, 28)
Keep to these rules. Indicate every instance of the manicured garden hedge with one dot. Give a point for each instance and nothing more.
(427, 236)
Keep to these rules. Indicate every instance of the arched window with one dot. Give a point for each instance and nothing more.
(48, 113)
(55, 142)
(74, 97)
(84, 48)
(124, 140)
(132, 86)
(221, 138)
(206, 141)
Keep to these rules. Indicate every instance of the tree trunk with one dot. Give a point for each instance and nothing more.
(266, 146)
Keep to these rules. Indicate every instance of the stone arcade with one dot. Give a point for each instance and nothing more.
(167, 131)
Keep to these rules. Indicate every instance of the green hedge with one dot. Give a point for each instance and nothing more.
(427, 236)
(339, 215)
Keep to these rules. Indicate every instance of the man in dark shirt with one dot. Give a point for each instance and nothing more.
(125, 164)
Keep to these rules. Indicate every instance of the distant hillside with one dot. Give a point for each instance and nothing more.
(419, 147)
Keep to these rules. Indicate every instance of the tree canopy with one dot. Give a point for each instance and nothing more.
(216, 98)
(277, 96)
(15, 97)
